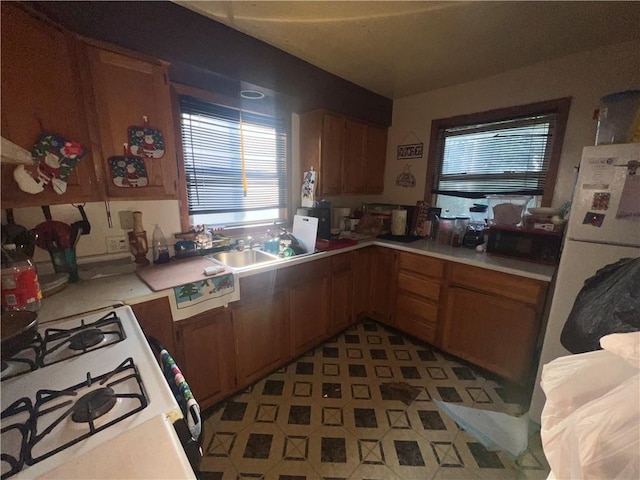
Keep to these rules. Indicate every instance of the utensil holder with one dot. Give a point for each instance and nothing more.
(138, 246)
(64, 261)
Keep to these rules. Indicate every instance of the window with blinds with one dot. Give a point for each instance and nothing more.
(235, 161)
(505, 157)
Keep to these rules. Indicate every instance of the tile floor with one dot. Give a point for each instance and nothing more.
(329, 415)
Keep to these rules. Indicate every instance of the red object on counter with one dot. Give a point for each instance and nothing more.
(324, 245)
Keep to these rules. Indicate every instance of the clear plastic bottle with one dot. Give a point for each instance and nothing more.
(160, 248)
(20, 286)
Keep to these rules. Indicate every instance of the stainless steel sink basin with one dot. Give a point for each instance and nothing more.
(244, 258)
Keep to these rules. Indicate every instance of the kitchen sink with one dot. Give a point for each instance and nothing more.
(244, 258)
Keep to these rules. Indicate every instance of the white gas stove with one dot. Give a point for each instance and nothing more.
(80, 385)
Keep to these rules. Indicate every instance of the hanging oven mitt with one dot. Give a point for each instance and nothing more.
(309, 189)
(629, 205)
(146, 141)
(56, 159)
(127, 170)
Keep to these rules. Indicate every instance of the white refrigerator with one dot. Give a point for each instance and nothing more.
(603, 227)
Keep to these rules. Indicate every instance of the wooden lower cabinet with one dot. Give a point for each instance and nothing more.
(383, 285)
(361, 268)
(495, 333)
(309, 305)
(261, 328)
(207, 355)
(156, 320)
(493, 320)
(341, 292)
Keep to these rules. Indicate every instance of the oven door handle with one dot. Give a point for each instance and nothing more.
(187, 402)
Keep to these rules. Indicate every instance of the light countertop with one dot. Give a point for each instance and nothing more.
(128, 288)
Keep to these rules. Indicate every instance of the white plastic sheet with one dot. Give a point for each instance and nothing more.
(591, 419)
(494, 430)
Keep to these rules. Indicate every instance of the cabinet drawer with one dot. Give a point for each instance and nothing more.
(418, 285)
(518, 288)
(421, 264)
(417, 307)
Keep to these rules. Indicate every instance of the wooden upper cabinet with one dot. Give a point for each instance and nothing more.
(42, 92)
(354, 180)
(125, 90)
(348, 155)
(375, 158)
(332, 147)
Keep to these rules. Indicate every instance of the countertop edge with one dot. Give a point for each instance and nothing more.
(132, 290)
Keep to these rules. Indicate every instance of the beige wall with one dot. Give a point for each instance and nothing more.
(163, 212)
(585, 76)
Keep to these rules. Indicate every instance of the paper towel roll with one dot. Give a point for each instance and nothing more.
(398, 222)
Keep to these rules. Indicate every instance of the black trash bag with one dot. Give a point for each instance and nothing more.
(609, 302)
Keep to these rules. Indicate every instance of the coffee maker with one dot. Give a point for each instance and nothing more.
(474, 235)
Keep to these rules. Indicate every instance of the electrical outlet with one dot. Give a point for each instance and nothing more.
(117, 244)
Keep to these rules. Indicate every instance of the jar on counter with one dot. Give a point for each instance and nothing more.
(20, 286)
(445, 229)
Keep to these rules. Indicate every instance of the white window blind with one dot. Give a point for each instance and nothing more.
(234, 161)
(505, 157)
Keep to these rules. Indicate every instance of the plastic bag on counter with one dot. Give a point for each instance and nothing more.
(609, 302)
(591, 419)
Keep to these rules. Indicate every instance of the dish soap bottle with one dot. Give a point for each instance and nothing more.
(160, 248)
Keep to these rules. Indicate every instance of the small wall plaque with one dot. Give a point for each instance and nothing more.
(412, 150)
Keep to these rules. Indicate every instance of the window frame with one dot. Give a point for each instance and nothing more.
(267, 108)
(559, 106)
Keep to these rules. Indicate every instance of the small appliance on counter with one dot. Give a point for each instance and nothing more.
(533, 245)
(474, 235)
(323, 214)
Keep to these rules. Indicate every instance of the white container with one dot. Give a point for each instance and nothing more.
(619, 118)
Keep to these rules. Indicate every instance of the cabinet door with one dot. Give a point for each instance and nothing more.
(42, 92)
(309, 313)
(490, 331)
(341, 292)
(375, 159)
(382, 295)
(261, 330)
(156, 321)
(361, 282)
(127, 89)
(354, 177)
(208, 356)
(332, 147)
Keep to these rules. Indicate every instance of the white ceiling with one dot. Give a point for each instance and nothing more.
(399, 48)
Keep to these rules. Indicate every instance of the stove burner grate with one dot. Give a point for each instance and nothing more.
(61, 344)
(93, 405)
(53, 407)
(27, 360)
(15, 436)
(86, 339)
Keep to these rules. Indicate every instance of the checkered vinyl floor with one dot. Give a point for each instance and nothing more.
(327, 415)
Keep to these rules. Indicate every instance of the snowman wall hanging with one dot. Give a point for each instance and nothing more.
(55, 158)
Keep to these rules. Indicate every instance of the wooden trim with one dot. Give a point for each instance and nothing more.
(178, 89)
(559, 105)
(183, 205)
